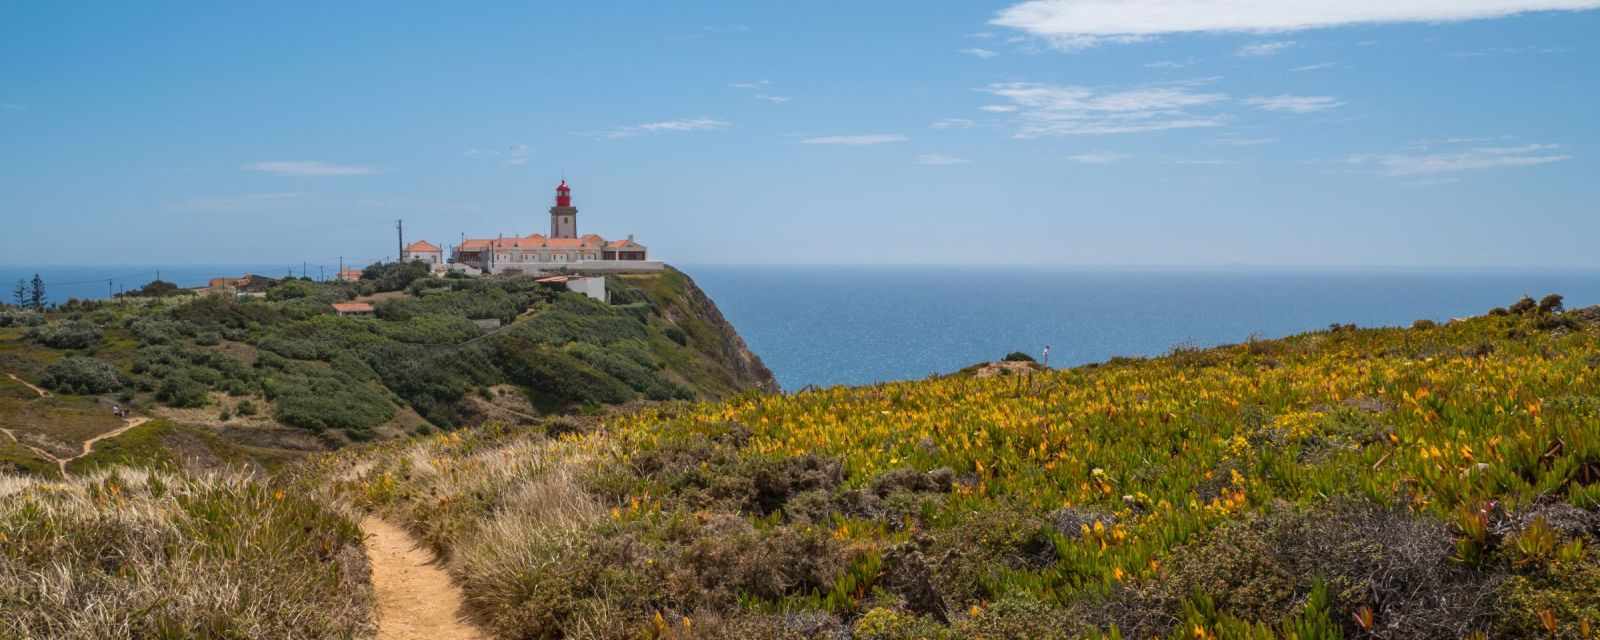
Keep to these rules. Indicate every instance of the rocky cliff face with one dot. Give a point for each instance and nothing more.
(726, 365)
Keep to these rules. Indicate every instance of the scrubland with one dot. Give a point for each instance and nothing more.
(1440, 481)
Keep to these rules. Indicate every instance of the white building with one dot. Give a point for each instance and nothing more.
(562, 250)
(424, 252)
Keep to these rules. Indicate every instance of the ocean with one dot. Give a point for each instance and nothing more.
(848, 325)
(826, 325)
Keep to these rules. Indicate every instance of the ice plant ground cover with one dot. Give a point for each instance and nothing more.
(1436, 481)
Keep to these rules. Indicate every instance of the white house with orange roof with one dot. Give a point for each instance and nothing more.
(424, 252)
(562, 250)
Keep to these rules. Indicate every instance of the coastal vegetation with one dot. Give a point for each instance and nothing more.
(1436, 481)
(439, 353)
(1440, 481)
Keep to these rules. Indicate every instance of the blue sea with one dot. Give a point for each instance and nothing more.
(843, 325)
(859, 325)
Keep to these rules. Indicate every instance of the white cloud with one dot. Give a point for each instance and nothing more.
(1316, 67)
(1295, 104)
(979, 53)
(1247, 142)
(692, 124)
(1213, 162)
(1402, 164)
(309, 168)
(952, 123)
(1060, 110)
(1075, 24)
(998, 108)
(860, 140)
(1263, 49)
(773, 99)
(759, 84)
(518, 155)
(1169, 64)
(1102, 157)
(939, 159)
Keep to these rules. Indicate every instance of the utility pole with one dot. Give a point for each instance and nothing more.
(109, 294)
(400, 239)
(322, 275)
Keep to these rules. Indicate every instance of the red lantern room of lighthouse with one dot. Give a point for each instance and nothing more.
(563, 216)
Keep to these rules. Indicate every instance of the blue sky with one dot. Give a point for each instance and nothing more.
(1076, 132)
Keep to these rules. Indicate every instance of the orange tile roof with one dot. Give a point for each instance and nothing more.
(422, 246)
(534, 241)
(352, 307)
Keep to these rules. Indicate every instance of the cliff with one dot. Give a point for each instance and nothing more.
(269, 378)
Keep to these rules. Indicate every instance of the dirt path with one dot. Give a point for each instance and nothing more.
(88, 445)
(416, 599)
(42, 393)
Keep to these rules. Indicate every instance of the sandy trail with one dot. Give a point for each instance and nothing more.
(416, 598)
(42, 393)
(88, 445)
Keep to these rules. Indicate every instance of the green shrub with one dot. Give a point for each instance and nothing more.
(1525, 305)
(246, 407)
(65, 335)
(181, 391)
(1552, 303)
(1018, 356)
(76, 374)
(554, 378)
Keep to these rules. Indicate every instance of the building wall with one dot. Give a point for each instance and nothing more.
(428, 257)
(592, 287)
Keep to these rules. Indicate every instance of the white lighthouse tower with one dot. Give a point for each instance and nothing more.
(563, 216)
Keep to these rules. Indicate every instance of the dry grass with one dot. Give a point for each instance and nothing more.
(134, 554)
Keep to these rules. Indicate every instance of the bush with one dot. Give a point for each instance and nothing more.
(182, 392)
(246, 407)
(1424, 324)
(87, 376)
(20, 318)
(554, 378)
(66, 335)
(1525, 305)
(1018, 356)
(1552, 303)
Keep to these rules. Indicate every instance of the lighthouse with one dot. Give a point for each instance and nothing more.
(563, 216)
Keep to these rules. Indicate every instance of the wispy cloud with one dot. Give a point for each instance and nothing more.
(1170, 64)
(309, 168)
(1509, 51)
(1076, 24)
(1102, 157)
(999, 108)
(1263, 49)
(1061, 110)
(1421, 164)
(1295, 104)
(665, 126)
(857, 140)
(1246, 142)
(773, 99)
(1315, 67)
(758, 84)
(977, 52)
(516, 154)
(1206, 162)
(952, 123)
(939, 159)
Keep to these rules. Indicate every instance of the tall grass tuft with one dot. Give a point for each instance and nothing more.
(135, 554)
